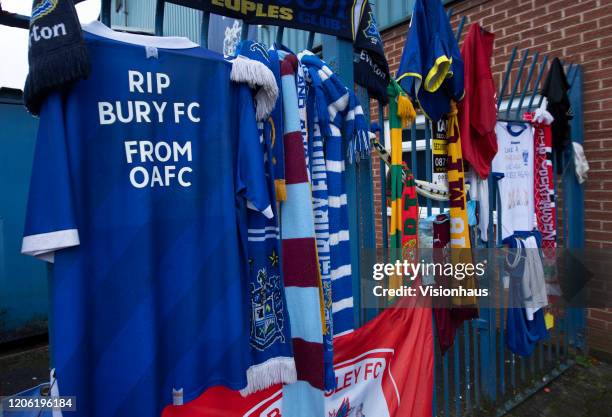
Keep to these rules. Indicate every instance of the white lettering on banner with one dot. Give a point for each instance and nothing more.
(360, 384)
(161, 152)
(136, 80)
(146, 111)
(179, 111)
(138, 111)
(156, 163)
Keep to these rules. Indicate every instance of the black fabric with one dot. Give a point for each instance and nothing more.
(57, 53)
(555, 90)
(370, 64)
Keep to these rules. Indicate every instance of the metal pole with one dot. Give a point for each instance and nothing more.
(516, 82)
(279, 35)
(502, 90)
(311, 36)
(245, 31)
(204, 29)
(160, 9)
(105, 12)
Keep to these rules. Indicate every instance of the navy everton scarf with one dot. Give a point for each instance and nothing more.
(370, 64)
(57, 54)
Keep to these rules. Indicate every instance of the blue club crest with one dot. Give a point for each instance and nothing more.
(267, 319)
(346, 410)
(371, 30)
(254, 50)
(258, 48)
(43, 8)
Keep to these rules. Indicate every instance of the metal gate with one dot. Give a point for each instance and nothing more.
(478, 376)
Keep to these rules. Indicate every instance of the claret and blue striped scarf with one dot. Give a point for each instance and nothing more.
(315, 157)
(300, 266)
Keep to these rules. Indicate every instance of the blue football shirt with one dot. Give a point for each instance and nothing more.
(431, 67)
(140, 181)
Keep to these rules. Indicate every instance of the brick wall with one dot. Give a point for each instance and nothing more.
(575, 31)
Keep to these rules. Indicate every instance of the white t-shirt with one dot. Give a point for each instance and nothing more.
(514, 162)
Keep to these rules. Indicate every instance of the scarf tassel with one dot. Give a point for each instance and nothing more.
(264, 375)
(359, 147)
(258, 77)
(453, 121)
(358, 131)
(280, 190)
(49, 72)
(405, 110)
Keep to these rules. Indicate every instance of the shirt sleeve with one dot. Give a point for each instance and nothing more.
(251, 177)
(410, 72)
(50, 220)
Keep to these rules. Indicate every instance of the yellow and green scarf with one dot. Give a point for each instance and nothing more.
(401, 114)
(459, 229)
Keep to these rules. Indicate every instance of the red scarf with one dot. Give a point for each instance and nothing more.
(544, 198)
(546, 210)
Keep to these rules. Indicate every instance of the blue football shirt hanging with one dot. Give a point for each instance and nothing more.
(525, 325)
(431, 67)
(141, 178)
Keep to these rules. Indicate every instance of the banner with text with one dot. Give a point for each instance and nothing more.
(383, 369)
(332, 17)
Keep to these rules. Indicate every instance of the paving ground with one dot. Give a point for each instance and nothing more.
(20, 370)
(584, 390)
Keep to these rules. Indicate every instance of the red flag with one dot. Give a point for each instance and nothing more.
(386, 367)
(223, 402)
(383, 369)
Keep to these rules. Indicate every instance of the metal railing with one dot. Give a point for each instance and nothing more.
(478, 375)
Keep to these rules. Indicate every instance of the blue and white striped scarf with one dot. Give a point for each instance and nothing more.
(339, 116)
